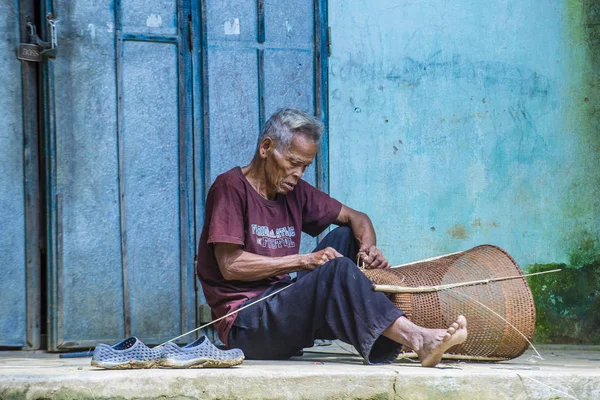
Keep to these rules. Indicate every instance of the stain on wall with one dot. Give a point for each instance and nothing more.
(458, 231)
(567, 303)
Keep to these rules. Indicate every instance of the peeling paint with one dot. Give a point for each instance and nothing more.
(154, 21)
(232, 27)
(92, 30)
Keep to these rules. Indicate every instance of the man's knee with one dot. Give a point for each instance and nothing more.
(340, 266)
(343, 231)
(342, 272)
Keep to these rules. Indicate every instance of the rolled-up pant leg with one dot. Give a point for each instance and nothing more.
(336, 301)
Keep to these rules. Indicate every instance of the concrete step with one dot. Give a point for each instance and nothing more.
(320, 374)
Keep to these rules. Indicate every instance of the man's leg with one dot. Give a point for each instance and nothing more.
(429, 344)
(336, 301)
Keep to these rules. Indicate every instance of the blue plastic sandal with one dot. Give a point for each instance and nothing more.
(131, 353)
(199, 354)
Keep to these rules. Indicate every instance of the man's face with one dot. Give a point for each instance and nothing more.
(284, 168)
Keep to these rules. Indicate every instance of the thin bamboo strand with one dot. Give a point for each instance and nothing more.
(437, 288)
(426, 260)
(548, 386)
(502, 318)
(464, 357)
(227, 315)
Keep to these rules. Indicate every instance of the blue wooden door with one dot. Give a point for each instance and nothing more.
(19, 189)
(120, 173)
(256, 57)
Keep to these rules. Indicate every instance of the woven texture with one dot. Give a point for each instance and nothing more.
(489, 335)
(200, 353)
(130, 353)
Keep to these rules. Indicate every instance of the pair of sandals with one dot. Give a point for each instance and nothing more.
(131, 353)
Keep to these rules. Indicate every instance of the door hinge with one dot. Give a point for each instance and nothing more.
(190, 33)
(196, 273)
(37, 48)
(328, 41)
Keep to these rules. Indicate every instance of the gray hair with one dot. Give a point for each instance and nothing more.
(288, 122)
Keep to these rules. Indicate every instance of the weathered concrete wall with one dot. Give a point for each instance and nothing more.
(460, 123)
(454, 124)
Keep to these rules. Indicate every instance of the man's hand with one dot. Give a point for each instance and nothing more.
(318, 258)
(373, 258)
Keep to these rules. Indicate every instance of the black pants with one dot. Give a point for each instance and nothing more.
(335, 301)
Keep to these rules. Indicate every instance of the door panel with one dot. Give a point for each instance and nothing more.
(150, 95)
(221, 16)
(86, 275)
(13, 285)
(156, 17)
(290, 22)
(19, 184)
(288, 80)
(234, 110)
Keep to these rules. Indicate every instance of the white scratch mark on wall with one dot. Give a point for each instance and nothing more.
(476, 181)
(154, 21)
(92, 30)
(110, 27)
(288, 26)
(232, 27)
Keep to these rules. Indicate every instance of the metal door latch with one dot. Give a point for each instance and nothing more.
(37, 48)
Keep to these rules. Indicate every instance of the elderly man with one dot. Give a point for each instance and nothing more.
(249, 245)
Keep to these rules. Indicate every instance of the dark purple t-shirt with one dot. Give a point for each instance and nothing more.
(236, 213)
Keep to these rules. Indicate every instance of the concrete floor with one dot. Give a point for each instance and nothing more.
(329, 372)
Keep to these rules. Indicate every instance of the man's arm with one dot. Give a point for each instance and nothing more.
(363, 231)
(237, 264)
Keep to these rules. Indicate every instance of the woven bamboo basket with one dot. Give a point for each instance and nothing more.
(489, 335)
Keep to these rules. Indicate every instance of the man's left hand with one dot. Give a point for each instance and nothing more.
(373, 258)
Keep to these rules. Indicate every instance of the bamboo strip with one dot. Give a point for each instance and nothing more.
(437, 288)
(463, 357)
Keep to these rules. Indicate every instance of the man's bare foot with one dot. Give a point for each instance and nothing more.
(429, 344)
(437, 341)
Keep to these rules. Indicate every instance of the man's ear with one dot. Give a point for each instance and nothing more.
(266, 145)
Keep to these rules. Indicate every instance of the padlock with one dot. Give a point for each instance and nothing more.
(29, 52)
(35, 50)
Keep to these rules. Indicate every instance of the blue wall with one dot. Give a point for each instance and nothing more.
(454, 124)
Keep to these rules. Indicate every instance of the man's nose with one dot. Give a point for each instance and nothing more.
(297, 173)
